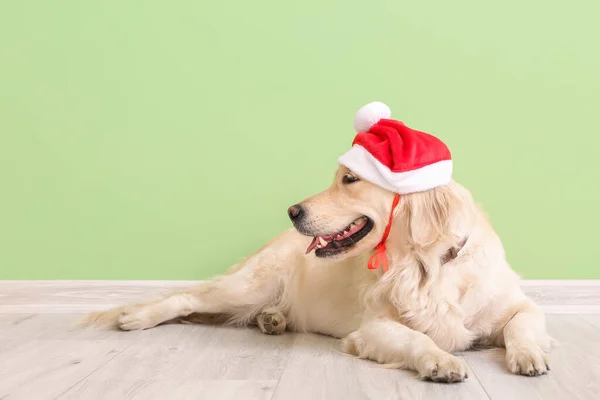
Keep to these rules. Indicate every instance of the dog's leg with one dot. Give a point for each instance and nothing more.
(238, 297)
(241, 295)
(526, 341)
(389, 342)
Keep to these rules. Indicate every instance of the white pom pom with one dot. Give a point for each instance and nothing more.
(369, 114)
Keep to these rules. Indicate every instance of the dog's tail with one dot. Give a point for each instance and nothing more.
(101, 319)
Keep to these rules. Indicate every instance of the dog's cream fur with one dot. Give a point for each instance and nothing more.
(413, 316)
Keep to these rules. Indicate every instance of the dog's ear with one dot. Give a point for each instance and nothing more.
(430, 215)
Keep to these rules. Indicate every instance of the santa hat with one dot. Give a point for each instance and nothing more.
(393, 156)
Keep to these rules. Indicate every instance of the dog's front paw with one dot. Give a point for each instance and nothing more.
(135, 318)
(442, 367)
(528, 360)
(271, 322)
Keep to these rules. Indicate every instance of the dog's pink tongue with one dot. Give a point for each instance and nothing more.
(312, 245)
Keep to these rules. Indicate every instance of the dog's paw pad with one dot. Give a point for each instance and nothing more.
(271, 323)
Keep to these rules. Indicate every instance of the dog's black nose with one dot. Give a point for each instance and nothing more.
(295, 212)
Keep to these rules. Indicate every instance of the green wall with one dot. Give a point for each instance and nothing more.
(165, 140)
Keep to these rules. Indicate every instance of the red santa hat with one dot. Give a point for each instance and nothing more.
(393, 156)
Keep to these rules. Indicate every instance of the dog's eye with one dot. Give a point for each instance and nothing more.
(349, 178)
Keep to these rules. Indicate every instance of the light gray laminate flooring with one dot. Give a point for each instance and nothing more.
(42, 356)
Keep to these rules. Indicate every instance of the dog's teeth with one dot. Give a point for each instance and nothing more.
(322, 241)
(345, 233)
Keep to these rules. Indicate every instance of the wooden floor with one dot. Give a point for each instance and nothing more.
(43, 357)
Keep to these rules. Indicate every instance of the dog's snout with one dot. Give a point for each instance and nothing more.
(295, 212)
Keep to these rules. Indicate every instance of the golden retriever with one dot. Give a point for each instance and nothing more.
(448, 288)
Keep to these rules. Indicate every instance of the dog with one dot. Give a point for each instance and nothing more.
(445, 285)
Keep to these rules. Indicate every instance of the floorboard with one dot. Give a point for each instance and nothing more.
(43, 357)
(317, 370)
(575, 366)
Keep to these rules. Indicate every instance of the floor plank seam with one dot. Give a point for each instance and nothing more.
(464, 356)
(588, 322)
(284, 367)
(277, 385)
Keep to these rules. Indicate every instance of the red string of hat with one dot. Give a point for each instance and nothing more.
(379, 258)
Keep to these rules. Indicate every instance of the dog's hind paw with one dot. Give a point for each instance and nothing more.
(135, 318)
(271, 322)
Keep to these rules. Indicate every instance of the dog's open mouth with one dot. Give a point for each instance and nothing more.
(342, 241)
